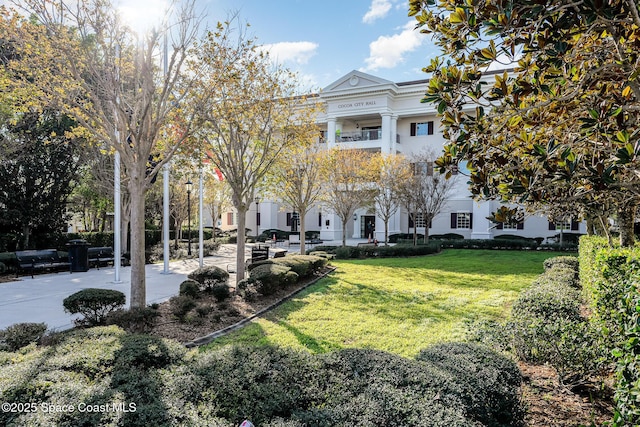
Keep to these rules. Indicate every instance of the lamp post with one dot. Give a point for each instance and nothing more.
(189, 185)
(257, 216)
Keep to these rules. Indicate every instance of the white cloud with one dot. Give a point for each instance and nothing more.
(378, 9)
(389, 51)
(297, 52)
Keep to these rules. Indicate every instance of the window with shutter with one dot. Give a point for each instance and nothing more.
(289, 215)
(229, 218)
(454, 220)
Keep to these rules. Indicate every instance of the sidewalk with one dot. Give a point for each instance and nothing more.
(40, 299)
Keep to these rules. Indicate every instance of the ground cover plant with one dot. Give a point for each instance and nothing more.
(398, 304)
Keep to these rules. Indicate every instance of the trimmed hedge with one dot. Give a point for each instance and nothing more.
(94, 304)
(400, 250)
(20, 335)
(610, 278)
(489, 381)
(268, 278)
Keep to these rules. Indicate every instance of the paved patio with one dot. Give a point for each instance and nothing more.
(40, 299)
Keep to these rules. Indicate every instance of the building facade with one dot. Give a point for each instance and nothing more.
(365, 112)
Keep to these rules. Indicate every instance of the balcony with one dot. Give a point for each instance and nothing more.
(362, 135)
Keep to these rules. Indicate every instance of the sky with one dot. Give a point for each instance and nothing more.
(322, 40)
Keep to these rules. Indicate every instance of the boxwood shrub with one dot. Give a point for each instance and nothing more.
(268, 278)
(489, 381)
(209, 275)
(20, 335)
(94, 304)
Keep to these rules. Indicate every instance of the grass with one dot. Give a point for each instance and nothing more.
(399, 305)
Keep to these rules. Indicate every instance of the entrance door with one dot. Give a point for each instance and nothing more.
(367, 226)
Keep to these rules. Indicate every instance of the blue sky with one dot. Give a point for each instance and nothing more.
(324, 40)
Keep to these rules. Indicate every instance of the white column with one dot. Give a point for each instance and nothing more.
(331, 132)
(394, 133)
(385, 143)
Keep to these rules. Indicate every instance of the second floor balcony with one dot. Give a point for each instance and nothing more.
(361, 135)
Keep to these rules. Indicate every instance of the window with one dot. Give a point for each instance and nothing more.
(230, 218)
(418, 221)
(510, 226)
(422, 168)
(461, 220)
(564, 225)
(424, 128)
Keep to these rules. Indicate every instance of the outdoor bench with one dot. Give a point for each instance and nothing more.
(37, 260)
(100, 256)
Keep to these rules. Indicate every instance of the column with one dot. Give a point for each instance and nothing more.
(385, 143)
(394, 133)
(331, 132)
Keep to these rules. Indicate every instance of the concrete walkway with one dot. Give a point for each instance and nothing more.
(40, 299)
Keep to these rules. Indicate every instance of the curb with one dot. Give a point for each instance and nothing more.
(222, 332)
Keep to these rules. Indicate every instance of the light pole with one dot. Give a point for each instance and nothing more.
(257, 216)
(189, 185)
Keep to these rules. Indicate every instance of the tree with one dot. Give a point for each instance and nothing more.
(109, 79)
(392, 169)
(423, 192)
(217, 197)
(37, 178)
(297, 180)
(349, 183)
(562, 125)
(250, 115)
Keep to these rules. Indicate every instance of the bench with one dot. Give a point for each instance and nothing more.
(40, 260)
(100, 256)
(279, 254)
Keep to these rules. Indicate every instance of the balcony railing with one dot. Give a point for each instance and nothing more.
(363, 135)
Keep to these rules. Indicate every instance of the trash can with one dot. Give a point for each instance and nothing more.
(78, 255)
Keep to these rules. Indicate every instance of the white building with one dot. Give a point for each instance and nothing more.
(365, 112)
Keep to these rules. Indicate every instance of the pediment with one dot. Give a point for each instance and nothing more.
(355, 80)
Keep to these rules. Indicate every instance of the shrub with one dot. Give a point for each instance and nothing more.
(209, 276)
(489, 382)
(181, 305)
(321, 254)
(94, 304)
(190, 288)
(347, 252)
(548, 301)
(3, 268)
(146, 351)
(135, 320)
(253, 265)
(562, 261)
(220, 291)
(268, 278)
(560, 274)
(19, 335)
(301, 267)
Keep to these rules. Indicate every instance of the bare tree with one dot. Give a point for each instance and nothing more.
(424, 192)
(110, 80)
(249, 113)
(297, 180)
(349, 183)
(391, 169)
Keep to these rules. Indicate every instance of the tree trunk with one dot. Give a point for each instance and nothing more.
(138, 283)
(26, 237)
(242, 222)
(344, 232)
(302, 234)
(386, 232)
(625, 224)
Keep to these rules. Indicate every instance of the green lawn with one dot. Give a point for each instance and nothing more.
(399, 305)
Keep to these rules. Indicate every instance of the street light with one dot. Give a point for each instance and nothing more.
(189, 186)
(257, 216)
